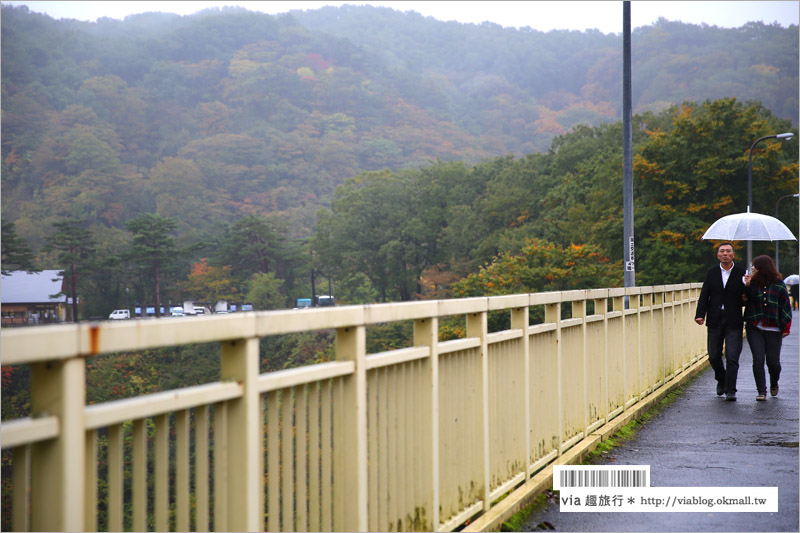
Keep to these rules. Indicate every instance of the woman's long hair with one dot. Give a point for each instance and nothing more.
(767, 273)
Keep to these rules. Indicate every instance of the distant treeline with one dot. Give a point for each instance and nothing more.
(546, 221)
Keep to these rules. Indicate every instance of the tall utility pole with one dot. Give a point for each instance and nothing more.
(627, 148)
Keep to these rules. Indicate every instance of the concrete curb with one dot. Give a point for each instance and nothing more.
(492, 520)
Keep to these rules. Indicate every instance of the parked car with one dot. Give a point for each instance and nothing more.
(325, 301)
(119, 314)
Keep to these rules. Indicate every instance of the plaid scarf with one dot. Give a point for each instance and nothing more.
(770, 305)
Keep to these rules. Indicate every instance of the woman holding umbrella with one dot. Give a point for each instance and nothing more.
(768, 317)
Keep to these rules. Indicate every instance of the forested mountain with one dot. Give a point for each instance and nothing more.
(430, 147)
(568, 77)
(229, 112)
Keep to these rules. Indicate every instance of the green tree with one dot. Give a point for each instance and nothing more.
(264, 291)
(75, 253)
(356, 289)
(387, 226)
(256, 244)
(251, 245)
(109, 281)
(89, 152)
(695, 173)
(509, 199)
(16, 254)
(153, 247)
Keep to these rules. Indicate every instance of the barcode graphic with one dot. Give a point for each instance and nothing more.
(571, 477)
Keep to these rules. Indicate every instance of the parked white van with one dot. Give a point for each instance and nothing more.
(119, 314)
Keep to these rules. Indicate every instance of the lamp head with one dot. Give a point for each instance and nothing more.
(784, 135)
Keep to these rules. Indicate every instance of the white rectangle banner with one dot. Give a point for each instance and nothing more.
(669, 500)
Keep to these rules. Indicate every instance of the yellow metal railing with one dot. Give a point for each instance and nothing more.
(422, 438)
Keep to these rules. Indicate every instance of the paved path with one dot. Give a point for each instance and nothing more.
(702, 440)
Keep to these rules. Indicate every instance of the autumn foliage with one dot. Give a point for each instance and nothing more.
(543, 266)
(209, 283)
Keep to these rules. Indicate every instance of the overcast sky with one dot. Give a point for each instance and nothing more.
(539, 15)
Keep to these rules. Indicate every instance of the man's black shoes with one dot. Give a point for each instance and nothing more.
(720, 389)
(730, 397)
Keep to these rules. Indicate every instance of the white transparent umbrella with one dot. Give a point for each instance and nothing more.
(748, 227)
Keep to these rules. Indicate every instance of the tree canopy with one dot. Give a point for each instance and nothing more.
(153, 248)
(17, 254)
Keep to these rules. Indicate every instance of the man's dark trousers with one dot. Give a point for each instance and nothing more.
(732, 336)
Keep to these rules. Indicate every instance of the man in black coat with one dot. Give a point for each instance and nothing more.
(720, 309)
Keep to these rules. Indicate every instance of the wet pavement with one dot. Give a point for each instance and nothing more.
(701, 440)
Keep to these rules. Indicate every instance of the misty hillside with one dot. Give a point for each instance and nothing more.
(754, 62)
(228, 112)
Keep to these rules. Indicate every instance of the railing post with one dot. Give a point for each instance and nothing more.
(677, 320)
(634, 306)
(659, 303)
(700, 341)
(520, 319)
(477, 327)
(682, 337)
(161, 481)
(579, 311)
(57, 465)
(244, 438)
(694, 335)
(552, 314)
(601, 308)
(669, 341)
(687, 330)
(220, 516)
(139, 481)
(350, 445)
(426, 333)
(618, 305)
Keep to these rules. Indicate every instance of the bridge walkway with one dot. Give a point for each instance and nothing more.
(746, 443)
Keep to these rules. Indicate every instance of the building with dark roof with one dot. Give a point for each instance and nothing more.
(30, 298)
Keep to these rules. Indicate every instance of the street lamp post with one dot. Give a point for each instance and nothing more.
(750, 183)
(776, 216)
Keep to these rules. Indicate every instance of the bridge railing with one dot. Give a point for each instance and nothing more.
(422, 438)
